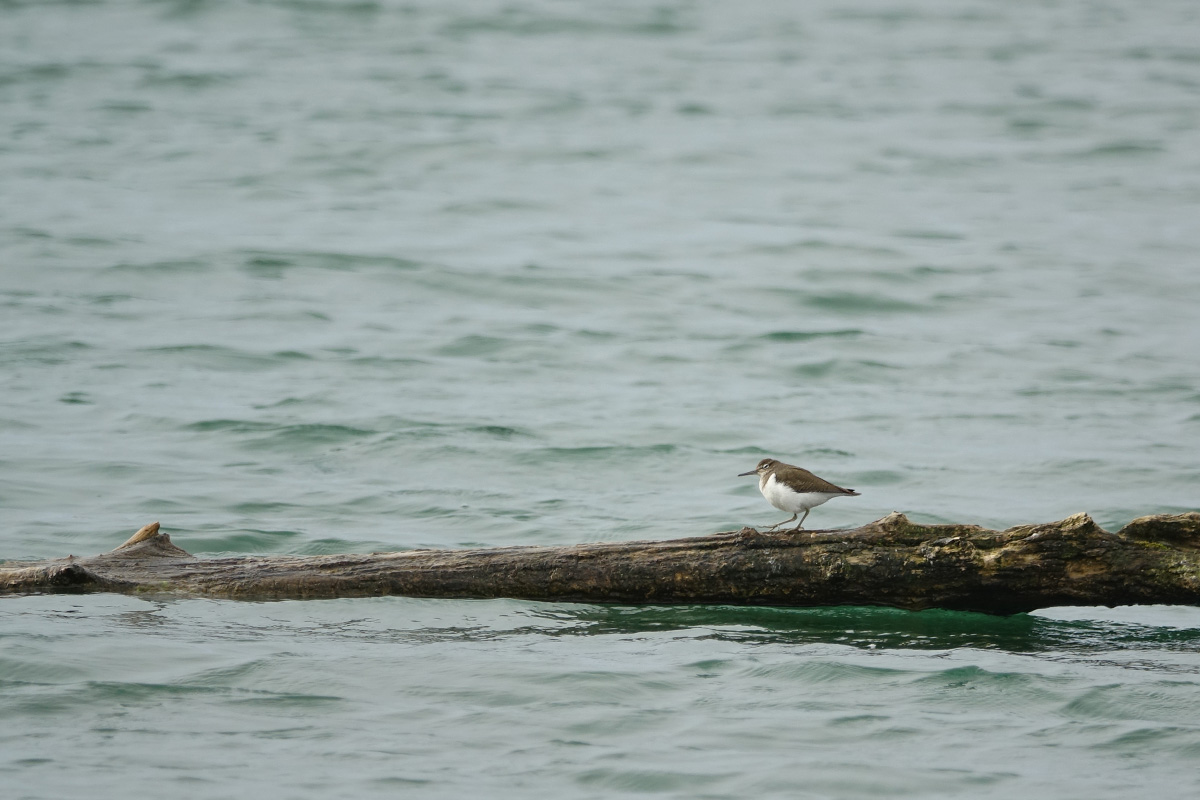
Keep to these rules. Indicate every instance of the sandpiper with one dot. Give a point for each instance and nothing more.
(793, 489)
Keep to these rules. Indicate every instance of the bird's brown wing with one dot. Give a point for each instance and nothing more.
(802, 480)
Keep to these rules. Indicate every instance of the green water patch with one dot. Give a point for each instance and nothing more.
(807, 336)
(856, 303)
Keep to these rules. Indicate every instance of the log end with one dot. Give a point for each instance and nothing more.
(1178, 529)
(62, 576)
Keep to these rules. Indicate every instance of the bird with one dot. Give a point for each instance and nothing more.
(794, 489)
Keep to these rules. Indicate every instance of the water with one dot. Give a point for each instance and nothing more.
(311, 277)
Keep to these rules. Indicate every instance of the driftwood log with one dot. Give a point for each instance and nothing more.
(891, 562)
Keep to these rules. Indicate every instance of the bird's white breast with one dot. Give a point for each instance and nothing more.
(785, 499)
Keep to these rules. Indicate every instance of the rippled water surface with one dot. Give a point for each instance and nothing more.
(310, 277)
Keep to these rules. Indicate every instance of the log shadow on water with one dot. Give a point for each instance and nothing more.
(880, 628)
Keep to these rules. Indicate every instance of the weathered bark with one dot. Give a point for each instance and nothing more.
(891, 562)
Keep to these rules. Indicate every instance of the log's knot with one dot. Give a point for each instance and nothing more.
(752, 537)
(69, 575)
(144, 533)
(894, 522)
(1079, 523)
(1074, 526)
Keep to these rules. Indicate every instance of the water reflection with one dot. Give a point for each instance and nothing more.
(880, 628)
(1068, 633)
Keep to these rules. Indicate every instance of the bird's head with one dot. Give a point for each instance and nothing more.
(766, 465)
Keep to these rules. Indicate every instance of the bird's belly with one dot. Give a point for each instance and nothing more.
(785, 499)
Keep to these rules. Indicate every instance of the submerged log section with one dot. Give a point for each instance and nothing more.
(891, 562)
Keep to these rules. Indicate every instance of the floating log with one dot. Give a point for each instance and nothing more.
(890, 562)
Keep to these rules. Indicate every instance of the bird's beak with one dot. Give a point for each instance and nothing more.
(744, 474)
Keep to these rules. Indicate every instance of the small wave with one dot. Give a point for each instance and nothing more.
(1121, 149)
(498, 431)
(273, 435)
(234, 425)
(76, 398)
(947, 236)
(597, 452)
(852, 302)
(615, 779)
(828, 451)
(1164, 701)
(879, 477)
(159, 77)
(819, 671)
(805, 336)
(475, 345)
(841, 368)
(248, 540)
(42, 351)
(353, 8)
(164, 267)
(215, 357)
(272, 264)
(658, 22)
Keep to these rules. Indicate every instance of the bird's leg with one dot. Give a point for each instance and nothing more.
(785, 522)
(800, 524)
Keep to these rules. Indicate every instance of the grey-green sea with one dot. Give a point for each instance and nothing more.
(321, 276)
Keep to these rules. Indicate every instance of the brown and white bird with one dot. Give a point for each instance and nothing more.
(793, 489)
